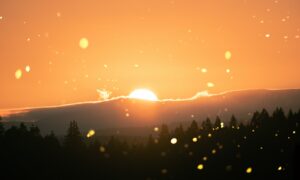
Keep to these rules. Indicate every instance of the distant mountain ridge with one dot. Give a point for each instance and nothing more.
(124, 112)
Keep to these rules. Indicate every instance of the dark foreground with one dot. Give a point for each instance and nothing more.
(265, 148)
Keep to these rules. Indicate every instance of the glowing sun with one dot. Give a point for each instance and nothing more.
(144, 94)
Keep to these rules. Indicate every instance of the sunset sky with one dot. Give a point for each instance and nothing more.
(56, 52)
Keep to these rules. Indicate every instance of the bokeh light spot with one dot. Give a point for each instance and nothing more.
(164, 171)
(173, 141)
(200, 166)
(213, 151)
(195, 139)
(84, 43)
(210, 84)
(204, 70)
(27, 68)
(102, 149)
(18, 74)
(90, 133)
(249, 170)
(228, 55)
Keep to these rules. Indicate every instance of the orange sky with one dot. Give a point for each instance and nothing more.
(156, 44)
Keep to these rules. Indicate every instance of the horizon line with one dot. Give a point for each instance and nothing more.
(200, 94)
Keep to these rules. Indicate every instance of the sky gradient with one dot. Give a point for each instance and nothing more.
(56, 52)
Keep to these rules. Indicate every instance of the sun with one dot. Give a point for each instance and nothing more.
(144, 94)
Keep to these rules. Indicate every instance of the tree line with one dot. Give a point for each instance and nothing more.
(266, 147)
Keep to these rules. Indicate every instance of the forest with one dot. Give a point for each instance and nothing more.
(267, 147)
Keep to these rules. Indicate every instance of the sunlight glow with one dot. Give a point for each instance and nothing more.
(103, 94)
(143, 94)
(201, 94)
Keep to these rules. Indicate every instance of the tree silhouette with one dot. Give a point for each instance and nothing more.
(74, 139)
(262, 145)
(217, 122)
(291, 114)
(23, 129)
(255, 122)
(150, 141)
(164, 135)
(192, 129)
(278, 115)
(264, 117)
(1, 127)
(179, 132)
(233, 122)
(51, 141)
(207, 125)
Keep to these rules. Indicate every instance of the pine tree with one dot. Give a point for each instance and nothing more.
(179, 132)
(207, 125)
(290, 115)
(264, 117)
(278, 115)
(193, 129)
(23, 129)
(51, 141)
(164, 134)
(255, 120)
(217, 122)
(34, 131)
(233, 122)
(74, 139)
